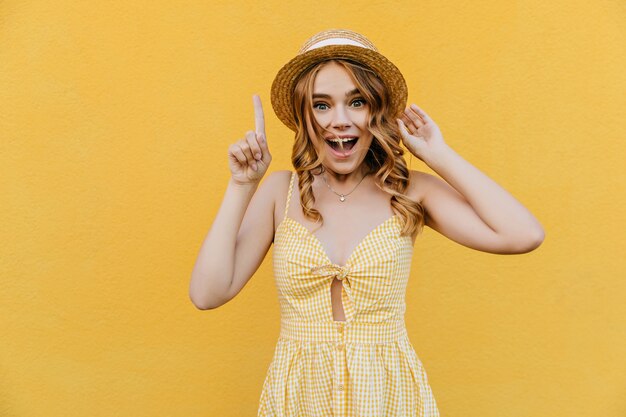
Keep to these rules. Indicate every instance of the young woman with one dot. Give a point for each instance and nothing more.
(343, 225)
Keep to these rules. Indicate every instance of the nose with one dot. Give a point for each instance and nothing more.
(341, 118)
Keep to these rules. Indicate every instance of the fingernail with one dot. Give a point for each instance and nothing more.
(254, 166)
(257, 156)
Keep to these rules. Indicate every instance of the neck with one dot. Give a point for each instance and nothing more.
(351, 178)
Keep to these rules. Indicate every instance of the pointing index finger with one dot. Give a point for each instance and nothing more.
(259, 119)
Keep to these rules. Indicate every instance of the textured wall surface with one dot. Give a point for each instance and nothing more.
(115, 119)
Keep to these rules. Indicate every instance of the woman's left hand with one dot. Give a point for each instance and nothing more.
(420, 134)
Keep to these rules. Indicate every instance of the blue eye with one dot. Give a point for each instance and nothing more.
(359, 102)
(320, 106)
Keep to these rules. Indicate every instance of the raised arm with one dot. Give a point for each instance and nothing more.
(468, 207)
(242, 230)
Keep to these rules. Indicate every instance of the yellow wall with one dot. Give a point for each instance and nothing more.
(115, 118)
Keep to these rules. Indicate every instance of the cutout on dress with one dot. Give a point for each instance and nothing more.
(336, 299)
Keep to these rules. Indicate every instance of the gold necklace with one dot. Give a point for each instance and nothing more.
(342, 197)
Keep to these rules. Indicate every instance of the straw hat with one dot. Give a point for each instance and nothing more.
(332, 44)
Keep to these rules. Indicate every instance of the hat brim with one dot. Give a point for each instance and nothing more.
(286, 78)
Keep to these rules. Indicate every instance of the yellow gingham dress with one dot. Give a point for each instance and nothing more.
(363, 366)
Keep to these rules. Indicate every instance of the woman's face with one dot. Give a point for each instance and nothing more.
(342, 112)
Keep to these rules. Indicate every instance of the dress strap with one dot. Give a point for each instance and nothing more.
(293, 175)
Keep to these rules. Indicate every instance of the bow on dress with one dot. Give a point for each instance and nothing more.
(332, 270)
(364, 284)
(342, 273)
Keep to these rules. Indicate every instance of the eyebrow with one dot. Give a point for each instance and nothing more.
(348, 94)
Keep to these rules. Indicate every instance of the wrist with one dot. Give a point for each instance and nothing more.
(440, 157)
(246, 186)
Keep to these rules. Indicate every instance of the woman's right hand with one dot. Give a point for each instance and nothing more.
(249, 158)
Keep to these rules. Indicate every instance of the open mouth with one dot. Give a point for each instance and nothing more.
(342, 144)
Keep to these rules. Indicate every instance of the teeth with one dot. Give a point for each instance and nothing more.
(342, 140)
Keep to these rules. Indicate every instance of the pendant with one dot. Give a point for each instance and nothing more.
(342, 198)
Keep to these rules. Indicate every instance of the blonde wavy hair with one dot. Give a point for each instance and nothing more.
(384, 158)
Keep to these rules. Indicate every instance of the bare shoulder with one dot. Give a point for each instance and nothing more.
(277, 184)
(277, 178)
(418, 185)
